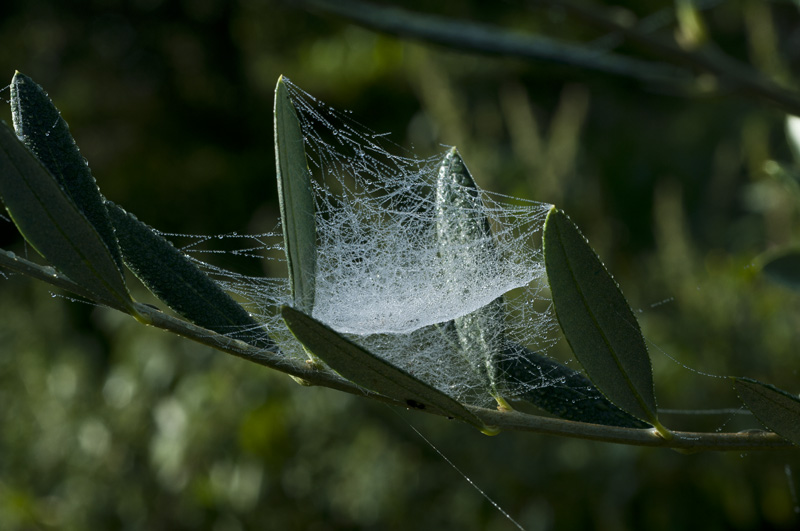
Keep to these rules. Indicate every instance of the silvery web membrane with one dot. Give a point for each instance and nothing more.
(386, 279)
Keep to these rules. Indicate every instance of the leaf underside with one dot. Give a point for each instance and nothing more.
(52, 224)
(559, 390)
(596, 319)
(775, 408)
(370, 371)
(784, 269)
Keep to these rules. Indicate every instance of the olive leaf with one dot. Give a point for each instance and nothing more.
(775, 408)
(784, 269)
(465, 237)
(52, 224)
(296, 200)
(176, 280)
(597, 320)
(559, 390)
(370, 371)
(39, 125)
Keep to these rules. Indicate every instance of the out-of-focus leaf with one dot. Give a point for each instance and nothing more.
(775, 408)
(370, 371)
(784, 269)
(41, 128)
(692, 32)
(793, 135)
(559, 390)
(597, 321)
(52, 223)
(296, 200)
(467, 243)
(176, 280)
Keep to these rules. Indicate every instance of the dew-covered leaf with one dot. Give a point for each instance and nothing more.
(557, 389)
(597, 321)
(370, 371)
(784, 269)
(53, 225)
(467, 246)
(460, 222)
(179, 282)
(41, 128)
(296, 200)
(775, 408)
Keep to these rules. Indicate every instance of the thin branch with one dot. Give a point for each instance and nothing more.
(505, 420)
(730, 73)
(646, 25)
(708, 58)
(688, 442)
(487, 39)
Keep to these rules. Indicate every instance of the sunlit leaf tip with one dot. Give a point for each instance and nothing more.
(597, 321)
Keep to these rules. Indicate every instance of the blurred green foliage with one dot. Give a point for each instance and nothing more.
(105, 424)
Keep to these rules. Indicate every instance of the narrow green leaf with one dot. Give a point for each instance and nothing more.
(467, 244)
(176, 280)
(371, 372)
(459, 219)
(41, 128)
(597, 321)
(296, 200)
(53, 225)
(784, 269)
(775, 408)
(559, 390)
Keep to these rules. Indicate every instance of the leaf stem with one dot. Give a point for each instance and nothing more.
(504, 420)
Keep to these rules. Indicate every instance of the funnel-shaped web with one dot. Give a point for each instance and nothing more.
(393, 271)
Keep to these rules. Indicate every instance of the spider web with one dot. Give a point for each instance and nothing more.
(389, 279)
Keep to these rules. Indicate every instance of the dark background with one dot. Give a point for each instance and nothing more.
(105, 424)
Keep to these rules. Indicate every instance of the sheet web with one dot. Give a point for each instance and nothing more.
(391, 276)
